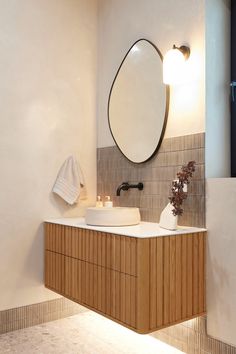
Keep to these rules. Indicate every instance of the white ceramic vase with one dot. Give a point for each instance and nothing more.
(167, 219)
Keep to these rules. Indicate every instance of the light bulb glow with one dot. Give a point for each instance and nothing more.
(173, 67)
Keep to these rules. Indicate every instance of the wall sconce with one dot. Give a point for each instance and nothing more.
(173, 64)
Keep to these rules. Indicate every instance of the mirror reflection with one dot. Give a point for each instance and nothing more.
(138, 103)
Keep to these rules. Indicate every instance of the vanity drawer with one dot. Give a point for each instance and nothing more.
(55, 271)
(107, 291)
(103, 249)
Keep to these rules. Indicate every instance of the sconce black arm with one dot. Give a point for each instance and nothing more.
(184, 50)
(125, 186)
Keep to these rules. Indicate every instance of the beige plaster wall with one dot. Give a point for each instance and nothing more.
(47, 112)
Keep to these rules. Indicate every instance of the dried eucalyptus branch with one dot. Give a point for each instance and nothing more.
(178, 195)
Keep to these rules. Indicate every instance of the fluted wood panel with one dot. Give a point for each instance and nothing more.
(110, 292)
(177, 278)
(95, 269)
(145, 284)
(55, 271)
(103, 249)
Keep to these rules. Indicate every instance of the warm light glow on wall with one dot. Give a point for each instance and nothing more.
(174, 65)
(121, 339)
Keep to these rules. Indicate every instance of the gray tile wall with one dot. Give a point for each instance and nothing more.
(157, 175)
(31, 315)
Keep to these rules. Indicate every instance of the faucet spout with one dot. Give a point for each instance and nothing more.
(125, 186)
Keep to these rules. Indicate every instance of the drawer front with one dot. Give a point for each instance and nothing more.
(55, 271)
(102, 249)
(109, 292)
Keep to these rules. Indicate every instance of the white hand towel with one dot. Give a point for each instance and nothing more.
(69, 181)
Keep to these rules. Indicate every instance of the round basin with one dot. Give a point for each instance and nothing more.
(118, 216)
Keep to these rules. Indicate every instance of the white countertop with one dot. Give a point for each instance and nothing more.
(142, 230)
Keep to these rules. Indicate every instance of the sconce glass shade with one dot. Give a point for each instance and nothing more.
(173, 65)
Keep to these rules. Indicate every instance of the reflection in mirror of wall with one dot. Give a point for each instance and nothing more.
(138, 103)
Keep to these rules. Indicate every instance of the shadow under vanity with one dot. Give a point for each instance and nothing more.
(142, 276)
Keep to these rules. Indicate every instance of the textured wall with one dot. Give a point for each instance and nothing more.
(157, 175)
(47, 110)
(221, 261)
(32, 315)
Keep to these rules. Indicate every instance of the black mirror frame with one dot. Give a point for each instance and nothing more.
(166, 109)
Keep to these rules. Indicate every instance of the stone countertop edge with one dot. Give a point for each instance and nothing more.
(142, 230)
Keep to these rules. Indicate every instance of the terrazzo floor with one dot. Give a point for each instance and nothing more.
(85, 333)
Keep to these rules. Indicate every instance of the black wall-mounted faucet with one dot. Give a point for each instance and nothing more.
(125, 186)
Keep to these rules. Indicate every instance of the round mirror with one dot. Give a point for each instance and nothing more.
(138, 103)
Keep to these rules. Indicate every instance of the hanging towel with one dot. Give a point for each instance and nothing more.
(70, 181)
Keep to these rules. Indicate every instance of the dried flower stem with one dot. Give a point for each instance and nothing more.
(178, 195)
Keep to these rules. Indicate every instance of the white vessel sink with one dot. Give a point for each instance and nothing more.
(118, 216)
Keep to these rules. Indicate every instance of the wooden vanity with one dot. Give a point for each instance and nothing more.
(144, 283)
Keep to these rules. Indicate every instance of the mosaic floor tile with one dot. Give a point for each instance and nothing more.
(85, 333)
